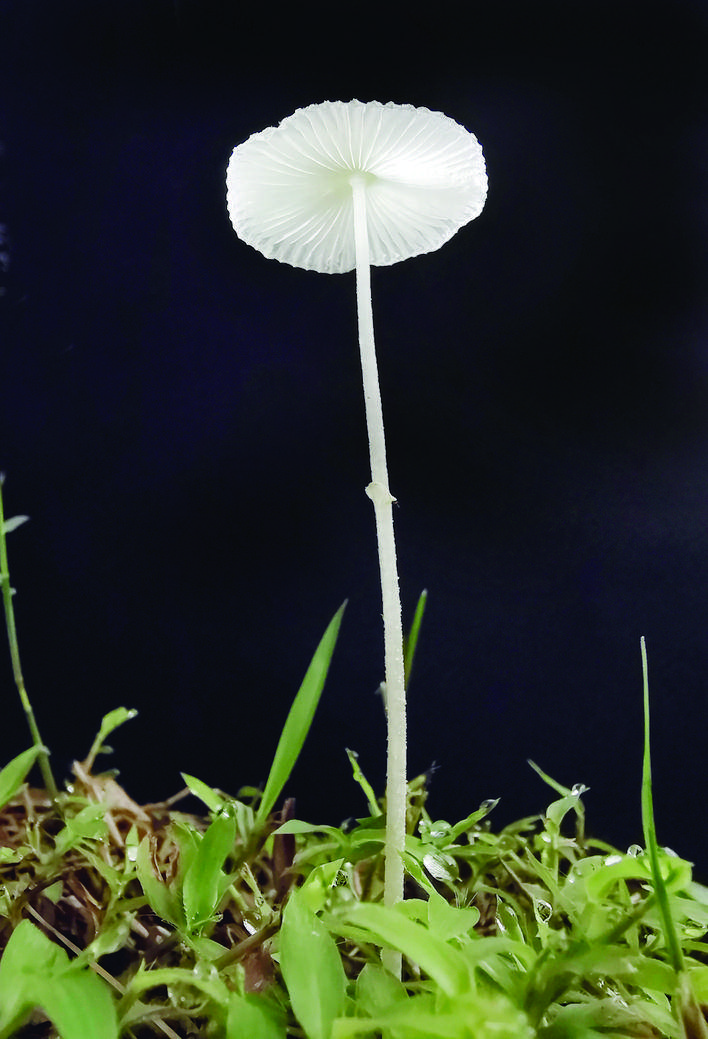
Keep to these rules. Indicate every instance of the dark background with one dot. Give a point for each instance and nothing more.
(183, 419)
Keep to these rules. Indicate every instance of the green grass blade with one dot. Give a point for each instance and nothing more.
(35, 972)
(297, 724)
(363, 782)
(391, 927)
(312, 968)
(13, 523)
(109, 723)
(649, 829)
(7, 592)
(13, 775)
(686, 1005)
(163, 900)
(211, 798)
(205, 880)
(411, 640)
(255, 1017)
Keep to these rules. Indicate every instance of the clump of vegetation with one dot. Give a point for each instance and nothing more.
(127, 920)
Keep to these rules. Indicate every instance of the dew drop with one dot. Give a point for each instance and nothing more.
(543, 910)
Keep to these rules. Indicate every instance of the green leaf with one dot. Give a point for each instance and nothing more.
(207, 982)
(13, 523)
(363, 782)
(312, 969)
(473, 819)
(34, 972)
(411, 640)
(254, 1017)
(161, 899)
(449, 921)
(484, 1016)
(648, 825)
(298, 826)
(297, 724)
(111, 721)
(88, 824)
(377, 990)
(205, 881)
(13, 775)
(214, 801)
(322, 879)
(388, 924)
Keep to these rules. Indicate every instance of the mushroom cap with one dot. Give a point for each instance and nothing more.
(289, 194)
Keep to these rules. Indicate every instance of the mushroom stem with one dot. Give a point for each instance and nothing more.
(382, 498)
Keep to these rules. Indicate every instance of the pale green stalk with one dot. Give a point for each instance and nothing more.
(15, 656)
(686, 1005)
(652, 846)
(378, 491)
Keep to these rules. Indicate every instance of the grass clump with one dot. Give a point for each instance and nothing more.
(145, 920)
(241, 921)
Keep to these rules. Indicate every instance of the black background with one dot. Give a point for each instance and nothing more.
(183, 419)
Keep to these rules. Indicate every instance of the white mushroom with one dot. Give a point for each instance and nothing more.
(340, 186)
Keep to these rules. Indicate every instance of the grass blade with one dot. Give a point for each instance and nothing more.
(253, 1016)
(13, 775)
(411, 640)
(35, 972)
(649, 829)
(391, 927)
(297, 724)
(7, 592)
(109, 723)
(312, 968)
(205, 880)
(686, 1005)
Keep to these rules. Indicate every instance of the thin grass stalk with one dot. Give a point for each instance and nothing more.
(43, 757)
